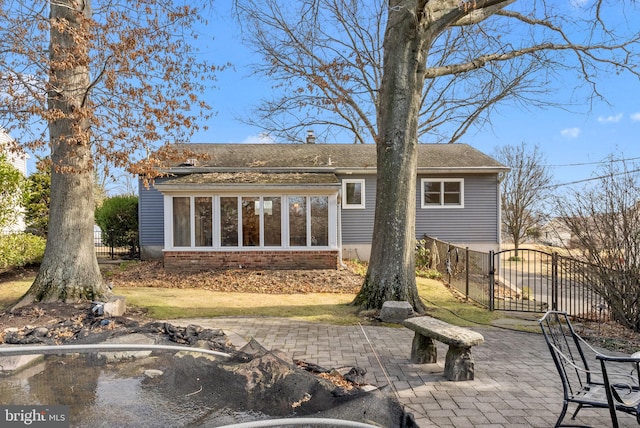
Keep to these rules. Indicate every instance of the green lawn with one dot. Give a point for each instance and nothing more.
(168, 303)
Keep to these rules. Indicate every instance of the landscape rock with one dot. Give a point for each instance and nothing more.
(132, 339)
(356, 375)
(396, 312)
(12, 363)
(115, 307)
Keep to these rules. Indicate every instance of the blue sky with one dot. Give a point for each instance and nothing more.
(579, 134)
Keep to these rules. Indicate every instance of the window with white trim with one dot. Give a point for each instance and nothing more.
(229, 221)
(442, 193)
(181, 222)
(319, 221)
(353, 194)
(251, 221)
(203, 221)
(297, 221)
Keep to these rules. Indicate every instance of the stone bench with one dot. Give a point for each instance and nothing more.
(459, 361)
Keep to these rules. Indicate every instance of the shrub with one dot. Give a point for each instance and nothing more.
(428, 273)
(118, 219)
(11, 185)
(37, 198)
(357, 266)
(20, 249)
(423, 254)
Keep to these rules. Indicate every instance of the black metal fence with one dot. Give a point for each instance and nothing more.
(113, 245)
(465, 270)
(529, 280)
(525, 280)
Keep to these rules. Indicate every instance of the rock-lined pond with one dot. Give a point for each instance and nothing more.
(160, 387)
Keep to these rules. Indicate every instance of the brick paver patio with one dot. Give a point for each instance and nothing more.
(515, 385)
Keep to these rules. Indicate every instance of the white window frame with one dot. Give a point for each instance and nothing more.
(441, 181)
(362, 205)
(216, 238)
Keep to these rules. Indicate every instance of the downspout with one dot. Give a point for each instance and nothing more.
(499, 240)
(342, 265)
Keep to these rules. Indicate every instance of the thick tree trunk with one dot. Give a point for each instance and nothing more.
(69, 269)
(391, 274)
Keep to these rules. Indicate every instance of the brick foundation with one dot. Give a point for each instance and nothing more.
(195, 261)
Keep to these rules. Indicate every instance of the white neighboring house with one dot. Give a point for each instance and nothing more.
(556, 233)
(19, 161)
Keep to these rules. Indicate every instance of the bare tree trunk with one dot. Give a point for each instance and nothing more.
(69, 270)
(391, 273)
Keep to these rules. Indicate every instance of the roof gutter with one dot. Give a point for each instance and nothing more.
(245, 187)
(464, 170)
(184, 170)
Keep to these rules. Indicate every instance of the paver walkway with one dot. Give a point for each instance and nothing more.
(515, 385)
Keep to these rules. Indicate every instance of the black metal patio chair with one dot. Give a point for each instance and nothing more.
(621, 377)
(582, 385)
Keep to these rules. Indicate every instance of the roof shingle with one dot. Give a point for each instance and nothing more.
(237, 157)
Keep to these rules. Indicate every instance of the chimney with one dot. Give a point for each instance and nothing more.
(311, 137)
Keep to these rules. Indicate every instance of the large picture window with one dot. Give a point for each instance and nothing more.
(439, 193)
(252, 221)
(229, 222)
(203, 220)
(353, 194)
(181, 222)
(272, 214)
(297, 221)
(319, 221)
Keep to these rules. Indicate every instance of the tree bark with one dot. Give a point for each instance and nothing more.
(391, 272)
(412, 27)
(69, 271)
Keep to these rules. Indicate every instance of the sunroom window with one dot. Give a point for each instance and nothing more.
(272, 215)
(203, 220)
(251, 221)
(181, 222)
(319, 221)
(297, 221)
(229, 221)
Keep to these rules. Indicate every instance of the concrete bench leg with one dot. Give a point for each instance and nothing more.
(459, 364)
(423, 350)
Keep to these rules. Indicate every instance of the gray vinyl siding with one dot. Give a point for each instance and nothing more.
(357, 224)
(476, 222)
(151, 212)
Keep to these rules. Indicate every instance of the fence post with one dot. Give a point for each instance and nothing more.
(111, 245)
(554, 281)
(491, 279)
(466, 268)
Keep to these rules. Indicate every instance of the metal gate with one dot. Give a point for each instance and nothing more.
(530, 280)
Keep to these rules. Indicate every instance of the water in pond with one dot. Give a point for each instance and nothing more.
(189, 389)
(120, 394)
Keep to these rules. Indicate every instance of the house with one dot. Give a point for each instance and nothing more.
(19, 161)
(306, 205)
(556, 233)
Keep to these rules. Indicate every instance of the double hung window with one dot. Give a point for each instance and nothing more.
(442, 193)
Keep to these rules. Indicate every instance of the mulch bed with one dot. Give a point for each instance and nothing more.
(153, 274)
